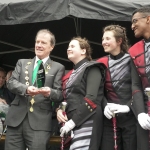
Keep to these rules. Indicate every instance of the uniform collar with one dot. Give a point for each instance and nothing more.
(121, 54)
(80, 63)
(147, 40)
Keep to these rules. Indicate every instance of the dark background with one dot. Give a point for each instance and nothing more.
(21, 19)
(20, 39)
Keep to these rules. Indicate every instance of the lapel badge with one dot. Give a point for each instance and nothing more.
(48, 67)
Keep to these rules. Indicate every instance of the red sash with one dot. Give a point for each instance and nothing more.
(108, 85)
(138, 55)
(64, 80)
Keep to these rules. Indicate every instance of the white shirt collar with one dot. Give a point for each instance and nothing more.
(44, 60)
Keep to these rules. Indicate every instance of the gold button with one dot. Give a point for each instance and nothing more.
(31, 109)
(27, 83)
(27, 78)
(26, 72)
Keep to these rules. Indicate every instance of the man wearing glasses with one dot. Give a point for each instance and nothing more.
(140, 52)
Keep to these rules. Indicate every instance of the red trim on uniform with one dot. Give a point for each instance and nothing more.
(135, 92)
(67, 75)
(136, 49)
(64, 80)
(103, 60)
(92, 104)
(138, 56)
(108, 85)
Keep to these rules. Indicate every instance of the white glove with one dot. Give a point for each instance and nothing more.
(117, 108)
(107, 112)
(69, 125)
(144, 121)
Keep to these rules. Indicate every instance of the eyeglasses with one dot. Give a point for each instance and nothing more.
(135, 20)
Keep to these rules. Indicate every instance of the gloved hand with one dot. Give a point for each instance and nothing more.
(69, 125)
(144, 121)
(107, 112)
(117, 108)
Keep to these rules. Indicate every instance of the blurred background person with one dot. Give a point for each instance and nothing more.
(9, 73)
(6, 96)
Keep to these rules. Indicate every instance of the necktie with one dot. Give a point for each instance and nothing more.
(35, 78)
(35, 71)
(40, 76)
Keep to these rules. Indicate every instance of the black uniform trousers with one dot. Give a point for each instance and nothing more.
(23, 136)
(142, 138)
(126, 133)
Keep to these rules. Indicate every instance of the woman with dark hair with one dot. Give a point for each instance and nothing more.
(122, 88)
(83, 92)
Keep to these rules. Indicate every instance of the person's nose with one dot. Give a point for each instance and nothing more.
(68, 49)
(132, 26)
(103, 42)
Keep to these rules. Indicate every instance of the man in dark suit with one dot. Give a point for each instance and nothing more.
(30, 116)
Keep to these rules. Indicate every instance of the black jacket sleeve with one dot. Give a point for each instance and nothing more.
(137, 101)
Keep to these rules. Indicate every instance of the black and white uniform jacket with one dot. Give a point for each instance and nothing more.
(123, 85)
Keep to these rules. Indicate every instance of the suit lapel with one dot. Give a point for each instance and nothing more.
(47, 66)
(48, 63)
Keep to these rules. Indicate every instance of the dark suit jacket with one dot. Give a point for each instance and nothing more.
(7, 95)
(40, 118)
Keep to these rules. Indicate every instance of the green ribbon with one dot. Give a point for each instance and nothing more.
(34, 75)
(35, 71)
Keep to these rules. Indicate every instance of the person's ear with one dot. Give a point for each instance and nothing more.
(148, 19)
(52, 47)
(83, 51)
(119, 41)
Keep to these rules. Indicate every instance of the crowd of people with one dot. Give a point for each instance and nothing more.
(105, 104)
